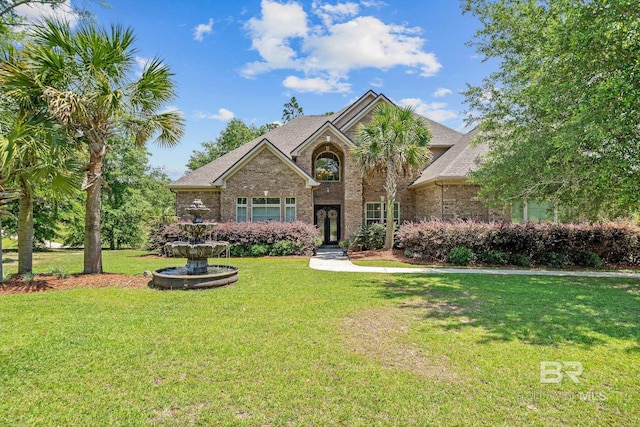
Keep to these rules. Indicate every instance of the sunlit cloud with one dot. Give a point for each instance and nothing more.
(285, 39)
(435, 111)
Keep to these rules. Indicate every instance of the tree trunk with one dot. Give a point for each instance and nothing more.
(93, 186)
(25, 232)
(390, 186)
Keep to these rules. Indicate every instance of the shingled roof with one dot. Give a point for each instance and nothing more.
(455, 163)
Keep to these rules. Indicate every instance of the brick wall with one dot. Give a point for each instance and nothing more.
(210, 198)
(266, 172)
(453, 201)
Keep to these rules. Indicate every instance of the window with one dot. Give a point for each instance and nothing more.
(290, 209)
(532, 211)
(241, 209)
(265, 209)
(376, 213)
(327, 167)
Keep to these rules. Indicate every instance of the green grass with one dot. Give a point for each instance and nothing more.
(287, 345)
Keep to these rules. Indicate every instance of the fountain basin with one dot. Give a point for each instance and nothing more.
(196, 250)
(177, 277)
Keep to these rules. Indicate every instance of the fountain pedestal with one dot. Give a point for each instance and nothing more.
(197, 274)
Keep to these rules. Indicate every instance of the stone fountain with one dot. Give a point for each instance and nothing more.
(197, 274)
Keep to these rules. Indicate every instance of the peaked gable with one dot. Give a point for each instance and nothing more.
(255, 151)
(322, 129)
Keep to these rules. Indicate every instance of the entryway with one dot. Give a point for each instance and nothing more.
(327, 219)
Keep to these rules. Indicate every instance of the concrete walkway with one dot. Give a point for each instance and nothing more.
(333, 260)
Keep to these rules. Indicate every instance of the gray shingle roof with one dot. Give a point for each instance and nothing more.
(285, 138)
(289, 136)
(455, 163)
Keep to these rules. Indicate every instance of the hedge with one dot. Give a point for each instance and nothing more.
(249, 238)
(614, 242)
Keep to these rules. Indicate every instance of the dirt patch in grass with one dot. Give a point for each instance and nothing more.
(42, 283)
(381, 335)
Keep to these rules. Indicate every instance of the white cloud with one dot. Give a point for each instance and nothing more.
(368, 42)
(435, 110)
(201, 29)
(35, 12)
(329, 52)
(222, 115)
(441, 92)
(330, 13)
(271, 36)
(315, 85)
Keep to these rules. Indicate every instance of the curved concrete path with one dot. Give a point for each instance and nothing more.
(333, 260)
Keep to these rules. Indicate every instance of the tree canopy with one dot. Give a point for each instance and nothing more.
(561, 112)
(233, 136)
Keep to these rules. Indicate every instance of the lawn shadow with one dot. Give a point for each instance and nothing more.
(536, 310)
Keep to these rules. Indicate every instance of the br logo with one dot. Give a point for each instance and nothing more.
(553, 372)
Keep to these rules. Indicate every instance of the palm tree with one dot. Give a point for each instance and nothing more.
(34, 157)
(394, 142)
(34, 152)
(95, 95)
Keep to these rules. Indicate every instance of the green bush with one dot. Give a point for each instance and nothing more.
(554, 259)
(237, 250)
(494, 257)
(259, 249)
(369, 237)
(283, 248)
(460, 256)
(521, 260)
(587, 259)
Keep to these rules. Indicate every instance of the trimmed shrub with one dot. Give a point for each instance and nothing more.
(520, 260)
(494, 257)
(587, 259)
(460, 256)
(282, 248)
(554, 259)
(304, 237)
(369, 237)
(614, 242)
(259, 249)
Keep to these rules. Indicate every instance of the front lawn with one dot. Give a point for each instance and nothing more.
(287, 345)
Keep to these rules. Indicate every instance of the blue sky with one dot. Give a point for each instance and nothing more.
(245, 59)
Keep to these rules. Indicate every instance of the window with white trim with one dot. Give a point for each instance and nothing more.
(289, 209)
(265, 209)
(376, 213)
(241, 209)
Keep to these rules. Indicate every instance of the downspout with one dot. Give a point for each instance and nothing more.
(441, 199)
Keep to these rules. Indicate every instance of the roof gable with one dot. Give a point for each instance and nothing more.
(344, 115)
(221, 181)
(455, 164)
(322, 129)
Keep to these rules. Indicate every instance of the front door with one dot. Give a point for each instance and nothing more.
(327, 219)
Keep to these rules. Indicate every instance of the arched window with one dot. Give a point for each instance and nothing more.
(327, 167)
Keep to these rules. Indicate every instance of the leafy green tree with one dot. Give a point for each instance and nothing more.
(395, 141)
(561, 112)
(234, 135)
(291, 110)
(96, 97)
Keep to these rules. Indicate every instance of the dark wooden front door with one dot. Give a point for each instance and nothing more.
(327, 218)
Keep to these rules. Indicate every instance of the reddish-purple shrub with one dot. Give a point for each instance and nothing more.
(304, 237)
(613, 242)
